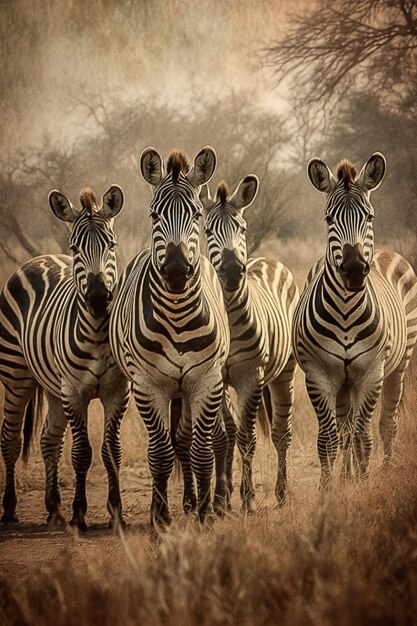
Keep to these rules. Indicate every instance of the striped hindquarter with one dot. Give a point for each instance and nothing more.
(355, 324)
(53, 341)
(260, 295)
(169, 334)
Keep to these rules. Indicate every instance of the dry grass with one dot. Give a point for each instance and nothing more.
(346, 558)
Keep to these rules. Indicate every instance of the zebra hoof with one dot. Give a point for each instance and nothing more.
(56, 520)
(117, 522)
(189, 504)
(221, 505)
(81, 526)
(160, 519)
(9, 518)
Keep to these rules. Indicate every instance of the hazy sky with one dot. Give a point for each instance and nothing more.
(56, 52)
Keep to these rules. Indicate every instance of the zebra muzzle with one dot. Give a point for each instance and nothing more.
(353, 268)
(176, 269)
(97, 295)
(231, 270)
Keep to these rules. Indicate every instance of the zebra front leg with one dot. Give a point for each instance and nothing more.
(181, 436)
(15, 400)
(249, 393)
(52, 440)
(81, 455)
(366, 388)
(153, 407)
(322, 394)
(205, 401)
(282, 393)
(115, 399)
(230, 420)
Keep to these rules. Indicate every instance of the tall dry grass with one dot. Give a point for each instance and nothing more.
(346, 557)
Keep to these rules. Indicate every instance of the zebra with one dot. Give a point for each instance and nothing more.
(54, 321)
(355, 324)
(170, 337)
(260, 296)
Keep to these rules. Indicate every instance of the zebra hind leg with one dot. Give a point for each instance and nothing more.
(249, 397)
(344, 417)
(181, 436)
(230, 420)
(221, 502)
(282, 392)
(115, 405)
(52, 440)
(15, 400)
(392, 391)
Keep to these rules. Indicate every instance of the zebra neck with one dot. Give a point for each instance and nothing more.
(338, 297)
(237, 302)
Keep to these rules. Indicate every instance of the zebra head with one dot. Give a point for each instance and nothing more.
(349, 215)
(93, 244)
(225, 228)
(175, 211)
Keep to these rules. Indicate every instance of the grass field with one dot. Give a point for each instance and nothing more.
(349, 557)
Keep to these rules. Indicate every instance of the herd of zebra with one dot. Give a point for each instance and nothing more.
(179, 330)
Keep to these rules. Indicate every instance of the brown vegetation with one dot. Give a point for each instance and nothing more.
(348, 557)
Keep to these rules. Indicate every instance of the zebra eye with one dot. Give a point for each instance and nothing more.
(369, 218)
(74, 249)
(209, 231)
(329, 219)
(155, 216)
(112, 246)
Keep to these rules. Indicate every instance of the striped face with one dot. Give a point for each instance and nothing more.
(225, 228)
(93, 245)
(349, 215)
(175, 211)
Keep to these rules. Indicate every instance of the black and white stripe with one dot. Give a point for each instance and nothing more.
(356, 322)
(170, 336)
(260, 295)
(54, 319)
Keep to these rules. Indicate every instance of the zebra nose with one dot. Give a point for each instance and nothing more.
(97, 295)
(353, 268)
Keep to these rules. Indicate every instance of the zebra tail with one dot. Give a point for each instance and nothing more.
(265, 413)
(31, 420)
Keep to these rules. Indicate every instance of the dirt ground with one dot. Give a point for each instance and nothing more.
(31, 546)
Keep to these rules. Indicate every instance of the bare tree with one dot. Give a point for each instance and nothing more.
(336, 46)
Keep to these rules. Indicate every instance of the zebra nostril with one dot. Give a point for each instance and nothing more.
(109, 296)
(366, 269)
(190, 271)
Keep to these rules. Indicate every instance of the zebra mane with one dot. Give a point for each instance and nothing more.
(222, 193)
(346, 172)
(177, 162)
(88, 200)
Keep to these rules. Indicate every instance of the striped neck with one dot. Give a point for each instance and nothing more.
(237, 301)
(175, 305)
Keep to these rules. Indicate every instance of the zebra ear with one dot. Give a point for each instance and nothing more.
(373, 172)
(205, 197)
(62, 207)
(151, 166)
(245, 192)
(112, 202)
(203, 167)
(320, 175)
